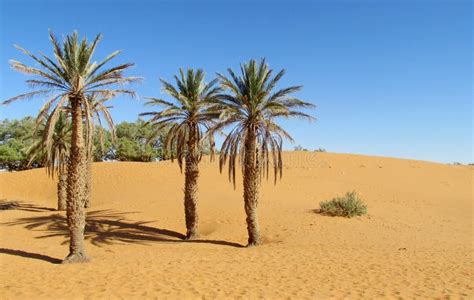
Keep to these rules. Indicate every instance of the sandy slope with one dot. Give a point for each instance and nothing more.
(416, 241)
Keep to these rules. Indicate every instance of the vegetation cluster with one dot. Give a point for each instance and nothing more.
(134, 141)
(349, 205)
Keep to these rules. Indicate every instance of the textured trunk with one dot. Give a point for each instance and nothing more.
(190, 189)
(88, 187)
(76, 215)
(62, 191)
(251, 188)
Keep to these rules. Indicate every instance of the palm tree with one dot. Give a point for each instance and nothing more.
(55, 156)
(187, 117)
(67, 80)
(252, 106)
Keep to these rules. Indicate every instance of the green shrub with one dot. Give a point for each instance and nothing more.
(350, 205)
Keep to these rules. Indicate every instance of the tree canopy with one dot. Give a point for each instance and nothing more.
(134, 141)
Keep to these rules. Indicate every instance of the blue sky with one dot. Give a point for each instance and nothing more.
(390, 78)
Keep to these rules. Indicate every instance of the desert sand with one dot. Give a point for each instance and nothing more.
(416, 240)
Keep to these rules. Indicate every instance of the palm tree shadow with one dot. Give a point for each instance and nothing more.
(30, 255)
(105, 227)
(18, 205)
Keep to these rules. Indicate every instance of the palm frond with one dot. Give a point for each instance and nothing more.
(250, 104)
(26, 96)
(187, 116)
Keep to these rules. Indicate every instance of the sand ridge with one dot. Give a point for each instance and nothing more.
(415, 242)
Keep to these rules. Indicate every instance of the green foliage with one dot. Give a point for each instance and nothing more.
(320, 150)
(135, 141)
(138, 141)
(15, 138)
(348, 206)
(103, 144)
(16, 128)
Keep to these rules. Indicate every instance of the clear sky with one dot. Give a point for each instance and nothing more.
(390, 78)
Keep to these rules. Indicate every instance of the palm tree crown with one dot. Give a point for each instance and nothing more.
(71, 75)
(252, 106)
(188, 115)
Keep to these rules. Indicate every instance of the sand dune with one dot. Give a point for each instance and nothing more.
(415, 242)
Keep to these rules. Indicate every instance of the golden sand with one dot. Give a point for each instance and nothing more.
(415, 242)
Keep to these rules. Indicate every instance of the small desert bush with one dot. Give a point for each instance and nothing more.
(350, 205)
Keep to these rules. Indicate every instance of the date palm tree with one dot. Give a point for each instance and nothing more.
(54, 155)
(187, 117)
(252, 106)
(68, 79)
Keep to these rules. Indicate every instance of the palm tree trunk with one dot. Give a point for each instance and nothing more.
(88, 187)
(62, 191)
(190, 190)
(76, 215)
(251, 189)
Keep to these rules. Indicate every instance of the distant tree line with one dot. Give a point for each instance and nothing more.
(135, 141)
(301, 148)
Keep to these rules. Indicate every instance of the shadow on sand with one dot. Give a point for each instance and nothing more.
(105, 227)
(16, 205)
(30, 255)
